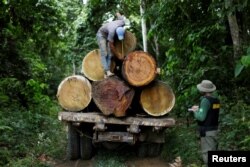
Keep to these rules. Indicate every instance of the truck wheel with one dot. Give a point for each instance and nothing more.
(86, 146)
(154, 149)
(73, 151)
(142, 150)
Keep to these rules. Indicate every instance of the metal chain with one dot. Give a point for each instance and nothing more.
(82, 134)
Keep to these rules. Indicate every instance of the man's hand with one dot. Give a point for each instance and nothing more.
(158, 70)
(194, 108)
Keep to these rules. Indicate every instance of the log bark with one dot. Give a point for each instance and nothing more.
(112, 96)
(125, 46)
(74, 93)
(157, 99)
(139, 68)
(92, 67)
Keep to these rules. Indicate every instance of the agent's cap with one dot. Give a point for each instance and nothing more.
(120, 31)
(206, 86)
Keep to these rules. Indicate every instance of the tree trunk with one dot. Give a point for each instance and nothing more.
(74, 93)
(92, 67)
(234, 30)
(125, 46)
(144, 26)
(235, 34)
(112, 96)
(157, 99)
(139, 68)
(155, 45)
(156, 48)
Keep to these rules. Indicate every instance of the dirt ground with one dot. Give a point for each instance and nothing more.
(137, 162)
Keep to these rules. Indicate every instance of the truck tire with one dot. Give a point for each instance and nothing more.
(142, 150)
(154, 149)
(149, 150)
(86, 146)
(73, 151)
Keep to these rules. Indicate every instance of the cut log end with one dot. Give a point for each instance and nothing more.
(139, 68)
(74, 93)
(92, 66)
(125, 46)
(158, 99)
(112, 96)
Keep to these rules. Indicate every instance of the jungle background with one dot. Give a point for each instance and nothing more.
(44, 41)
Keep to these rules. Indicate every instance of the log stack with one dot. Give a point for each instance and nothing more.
(133, 86)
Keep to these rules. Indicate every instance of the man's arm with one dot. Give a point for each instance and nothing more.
(202, 111)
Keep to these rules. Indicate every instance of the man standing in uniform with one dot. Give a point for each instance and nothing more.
(105, 38)
(207, 115)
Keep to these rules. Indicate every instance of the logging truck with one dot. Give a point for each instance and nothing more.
(129, 108)
(88, 130)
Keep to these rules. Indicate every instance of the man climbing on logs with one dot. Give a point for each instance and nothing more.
(105, 39)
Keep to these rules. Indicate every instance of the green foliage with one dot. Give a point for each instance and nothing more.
(29, 134)
(245, 60)
(36, 38)
(196, 43)
(107, 158)
(175, 145)
(235, 123)
(243, 63)
(29, 161)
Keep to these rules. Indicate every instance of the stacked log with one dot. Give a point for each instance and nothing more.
(139, 68)
(112, 96)
(157, 99)
(74, 93)
(115, 95)
(125, 46)
(92, 66)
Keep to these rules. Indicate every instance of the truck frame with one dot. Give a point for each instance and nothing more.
(86, 130)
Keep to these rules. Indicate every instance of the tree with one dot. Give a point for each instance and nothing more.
(143, 25)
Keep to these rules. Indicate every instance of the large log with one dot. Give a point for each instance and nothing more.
(139, 68)
(112, 96)
(157, 99)
(74, 93)
(125, 46)
(92, 67)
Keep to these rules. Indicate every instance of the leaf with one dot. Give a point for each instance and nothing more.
(202, 58)
(248, 51)
(245, 60)
(239, 67)
(5, 128)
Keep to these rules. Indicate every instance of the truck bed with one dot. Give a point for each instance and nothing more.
(95, 117)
